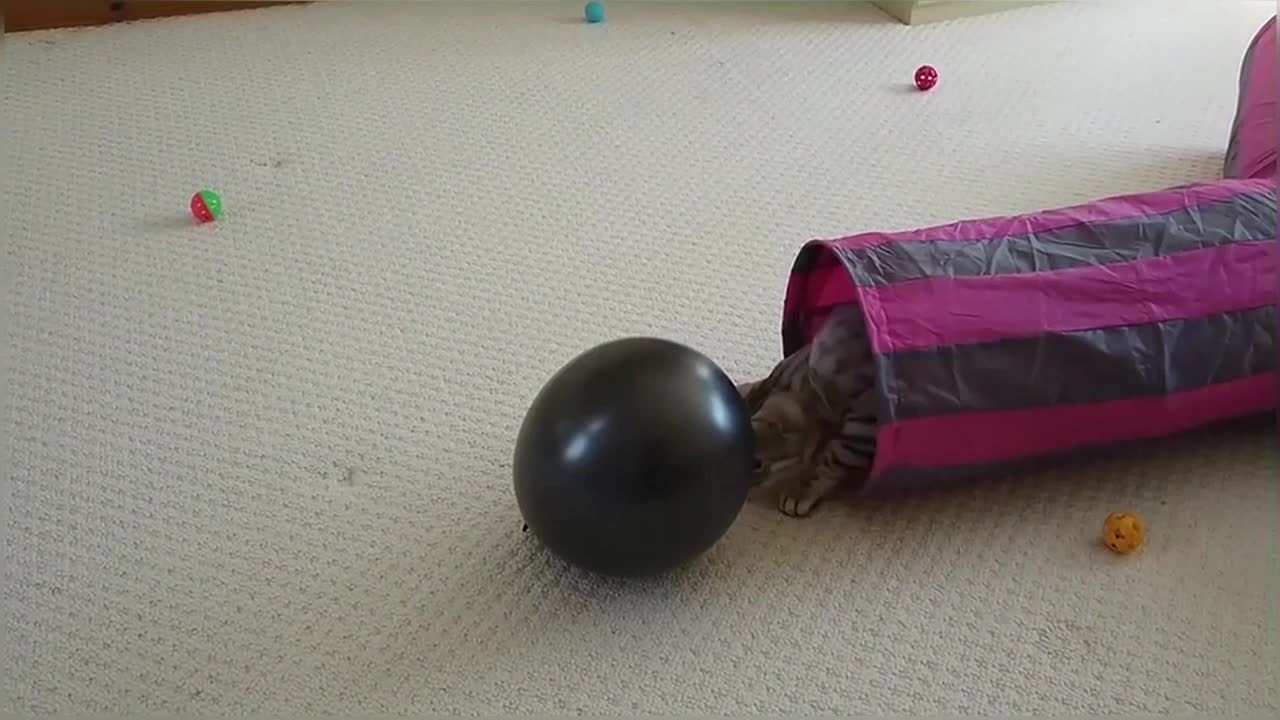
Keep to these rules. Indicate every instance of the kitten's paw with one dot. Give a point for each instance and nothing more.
(800, 497)
(798, 502)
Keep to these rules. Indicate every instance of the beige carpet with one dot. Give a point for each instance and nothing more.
(264, 466)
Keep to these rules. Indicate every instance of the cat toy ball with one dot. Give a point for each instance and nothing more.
(926, 77)
(634, 458)
(206, 206)
(1123, 532)
(594, 12)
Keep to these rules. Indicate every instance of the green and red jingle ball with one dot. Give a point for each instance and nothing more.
(206, 206)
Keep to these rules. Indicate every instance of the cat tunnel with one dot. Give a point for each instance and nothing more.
(1005, 340)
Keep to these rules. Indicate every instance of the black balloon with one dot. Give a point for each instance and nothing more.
(634, 458)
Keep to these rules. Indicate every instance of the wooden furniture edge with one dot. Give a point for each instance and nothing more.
(27, 15)
(928, 11)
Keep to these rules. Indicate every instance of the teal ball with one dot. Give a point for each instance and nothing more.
(594, 12)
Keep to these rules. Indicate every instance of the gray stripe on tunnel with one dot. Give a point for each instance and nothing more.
(1080, 367)
(909, 479)
(1245, 217)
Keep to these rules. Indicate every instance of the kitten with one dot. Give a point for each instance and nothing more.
(814, 417)
(780, 430)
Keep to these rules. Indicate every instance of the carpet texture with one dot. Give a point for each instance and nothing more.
(264, 465)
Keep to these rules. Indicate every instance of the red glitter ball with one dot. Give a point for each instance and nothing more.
(926, 77)
(199, 210)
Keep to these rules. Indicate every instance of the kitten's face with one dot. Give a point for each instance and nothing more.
(778, 430)
(773, 445)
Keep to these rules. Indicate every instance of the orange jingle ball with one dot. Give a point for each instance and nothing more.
(1123, 532)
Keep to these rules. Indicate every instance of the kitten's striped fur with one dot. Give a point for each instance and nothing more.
(814, 417)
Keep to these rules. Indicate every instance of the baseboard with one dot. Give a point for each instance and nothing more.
(927, 11)
(24, 15)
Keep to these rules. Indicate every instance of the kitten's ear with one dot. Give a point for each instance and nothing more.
(762, 429)
(754, 395)
(785, 411)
